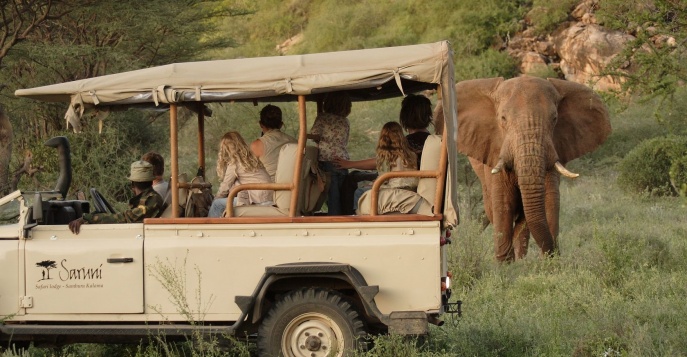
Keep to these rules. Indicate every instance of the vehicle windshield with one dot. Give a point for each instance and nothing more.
(9, 212)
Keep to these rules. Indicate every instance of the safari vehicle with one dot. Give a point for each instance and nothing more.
(307, 285)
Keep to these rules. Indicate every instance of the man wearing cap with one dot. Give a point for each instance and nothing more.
(146, 204)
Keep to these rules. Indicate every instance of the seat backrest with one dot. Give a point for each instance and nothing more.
(313, 183)
(431, 152)
(284, 174)
(183, 197)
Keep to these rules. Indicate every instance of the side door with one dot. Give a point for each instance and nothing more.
(9, 254)
(100, 270)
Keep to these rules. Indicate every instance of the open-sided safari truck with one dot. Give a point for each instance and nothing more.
(307, 284)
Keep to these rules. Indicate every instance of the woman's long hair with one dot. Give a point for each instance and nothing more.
(393, 144)
(234, 150)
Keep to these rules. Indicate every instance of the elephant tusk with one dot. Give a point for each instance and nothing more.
(563, 171)
(498, 167)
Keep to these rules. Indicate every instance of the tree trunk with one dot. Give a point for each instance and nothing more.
(5, 151)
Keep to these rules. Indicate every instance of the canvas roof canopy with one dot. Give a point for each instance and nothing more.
(368, 74)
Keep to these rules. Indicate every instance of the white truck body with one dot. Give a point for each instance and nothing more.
(283, 273)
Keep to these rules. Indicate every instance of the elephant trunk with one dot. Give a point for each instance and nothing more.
(530, 167)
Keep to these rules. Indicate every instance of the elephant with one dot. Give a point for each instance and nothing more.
(518, 134)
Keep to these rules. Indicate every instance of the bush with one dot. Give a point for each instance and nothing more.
(547, 15)
(647, 168)
(678, 175)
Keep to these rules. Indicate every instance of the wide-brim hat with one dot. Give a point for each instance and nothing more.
(141, 171)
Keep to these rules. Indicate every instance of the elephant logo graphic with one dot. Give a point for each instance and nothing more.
(46, 265)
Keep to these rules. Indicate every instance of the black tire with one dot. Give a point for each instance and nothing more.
(311, 322)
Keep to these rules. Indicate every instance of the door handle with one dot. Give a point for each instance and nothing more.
(120, 260)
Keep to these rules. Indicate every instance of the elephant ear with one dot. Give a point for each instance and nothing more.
(583, 120)
(479, 135)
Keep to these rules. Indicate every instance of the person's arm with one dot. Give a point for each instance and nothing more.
(315, 138)
(104, 218)
(316, 130)
(258, 148)
(366, 164)
(148, 206)
(227, 183)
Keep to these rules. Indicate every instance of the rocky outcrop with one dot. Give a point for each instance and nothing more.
(578, 51)
(585, 50)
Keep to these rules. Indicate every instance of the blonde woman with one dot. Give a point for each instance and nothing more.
(393, 154)
(237, 165)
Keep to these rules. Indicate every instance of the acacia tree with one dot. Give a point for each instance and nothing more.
(19, 19)
(98, 38)
(47, 265)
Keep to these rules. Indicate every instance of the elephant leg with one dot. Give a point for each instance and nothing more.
(503, 209)
(553, 205)
(521, 238)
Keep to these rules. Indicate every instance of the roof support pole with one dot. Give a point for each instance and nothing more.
(174, 153)
(441, 174)
(201, 137)
(302, 139)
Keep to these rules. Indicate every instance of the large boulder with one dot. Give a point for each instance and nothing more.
(585, 50)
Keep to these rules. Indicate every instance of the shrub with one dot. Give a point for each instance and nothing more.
(678, 175)
(547, 15)
(647, 168)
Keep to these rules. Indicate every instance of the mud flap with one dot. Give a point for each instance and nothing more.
(408, 323)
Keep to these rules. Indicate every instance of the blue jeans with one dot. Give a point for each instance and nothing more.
(337, 177)
(218, 206)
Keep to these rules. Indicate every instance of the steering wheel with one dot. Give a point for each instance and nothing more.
(101, 204)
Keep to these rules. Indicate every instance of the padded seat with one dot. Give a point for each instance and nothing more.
(395, 201)
(310, 191)
(63, 212)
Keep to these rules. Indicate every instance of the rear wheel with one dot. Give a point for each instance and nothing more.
(311, 322)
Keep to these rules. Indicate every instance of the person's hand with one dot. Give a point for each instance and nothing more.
(342, 164)
(314, 137)
(75, 225)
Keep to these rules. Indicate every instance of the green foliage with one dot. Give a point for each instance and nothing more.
(474, 29)
(647, 167)
(100, 160)
(487, 64)
(678, 175)
(546, 15)
(98, 38)
(395, 345)
(657, 65)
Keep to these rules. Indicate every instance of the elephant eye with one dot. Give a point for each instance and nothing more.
(503, 118)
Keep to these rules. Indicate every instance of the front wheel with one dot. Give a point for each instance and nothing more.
(311, 322)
